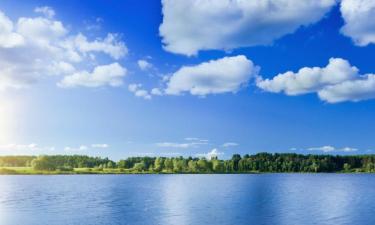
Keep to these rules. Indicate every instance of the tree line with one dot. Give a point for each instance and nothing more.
(261, 162)
(16, 161)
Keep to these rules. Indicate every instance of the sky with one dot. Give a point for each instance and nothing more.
(187, 77)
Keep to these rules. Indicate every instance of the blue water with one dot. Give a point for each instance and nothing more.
(188, 199)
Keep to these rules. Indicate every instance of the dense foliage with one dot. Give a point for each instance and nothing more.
(15, 161)
(261, 162)
(68, 162)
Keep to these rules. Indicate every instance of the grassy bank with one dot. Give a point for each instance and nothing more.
(77, 171)
(260, 162)
(31, 171)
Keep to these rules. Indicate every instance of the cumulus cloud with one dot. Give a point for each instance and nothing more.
(192, 25)
(110, 75)
(230, 144)
(329, 148)
(8, 37)
(144, 65)
(52, 49)
(308, 80)
(139, 92)
(211, 154)
(359, 21)
(46, 11)
(109, 45)
(337, 82)
(156, 91)
(42, 32)
(356, 90)
(224, 75)
(326, 148)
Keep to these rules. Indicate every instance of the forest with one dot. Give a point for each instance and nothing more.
(257, 163)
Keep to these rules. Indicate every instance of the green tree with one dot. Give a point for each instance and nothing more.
(110, 165)
(159, 164)
(192, 166)
(217, 166)
(168, 164)
(202, 165)
(141, 166)
(235, 159)
(43, 163)
(347, 167)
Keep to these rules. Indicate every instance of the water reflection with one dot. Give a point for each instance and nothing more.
(277, 199)
(176, 200)
(3, 213)
(325, 202)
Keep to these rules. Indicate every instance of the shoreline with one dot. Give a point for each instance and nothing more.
(49, 173)
(259, 163)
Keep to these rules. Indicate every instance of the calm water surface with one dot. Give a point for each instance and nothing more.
(273, 199)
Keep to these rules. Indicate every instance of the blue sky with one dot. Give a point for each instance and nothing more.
(194, 77)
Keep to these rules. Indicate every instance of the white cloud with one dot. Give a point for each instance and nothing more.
(134, 87)
(143, 94)
(359, 89)
(144, 64)
(33, 48)
(326, 148)
(139, 92)
(359, 21)
(213, 153)
(110, 75)
(349, 149)
(76, 149)
(191, 139)
(156, 91)
(174, 145)
(42, 32)
(227, 74)
(94, 25)
(24, 148)
(195, 139)
(192, 25)
(8, 37)
(230, 144)
(46, 11)
(85, 147)
(109, 45)
(192, 143)
(329, 148)
(100, 146)
(308, 79)
(337, 82)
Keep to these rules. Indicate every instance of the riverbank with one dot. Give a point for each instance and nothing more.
(31, 171)
(237, 164)
(78, 171)
(93, 171)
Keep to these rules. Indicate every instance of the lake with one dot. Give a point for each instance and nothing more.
(273, 199)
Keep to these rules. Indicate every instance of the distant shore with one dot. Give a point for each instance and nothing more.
(237, 164)
(88, 171)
